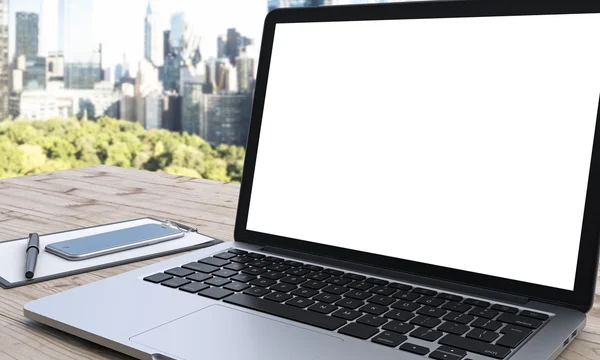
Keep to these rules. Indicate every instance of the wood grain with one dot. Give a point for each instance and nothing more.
(90, 196)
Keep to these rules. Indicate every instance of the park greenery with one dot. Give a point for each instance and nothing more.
(33, 147)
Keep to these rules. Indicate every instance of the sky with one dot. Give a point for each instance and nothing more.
(119, 24)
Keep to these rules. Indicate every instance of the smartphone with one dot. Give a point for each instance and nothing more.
(113, 241)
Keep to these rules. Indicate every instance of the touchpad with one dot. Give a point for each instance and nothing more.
(234, 334)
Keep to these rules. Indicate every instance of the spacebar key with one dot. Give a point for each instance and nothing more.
(285, 311)
(476, 346)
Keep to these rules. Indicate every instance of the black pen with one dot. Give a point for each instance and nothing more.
(33, 249)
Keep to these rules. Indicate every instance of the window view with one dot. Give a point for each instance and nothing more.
(157, 85)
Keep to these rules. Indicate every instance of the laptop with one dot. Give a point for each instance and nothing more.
(422, 181)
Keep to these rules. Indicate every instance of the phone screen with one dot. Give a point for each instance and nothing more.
(104, 241)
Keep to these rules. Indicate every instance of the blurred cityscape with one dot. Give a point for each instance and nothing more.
(175, 87)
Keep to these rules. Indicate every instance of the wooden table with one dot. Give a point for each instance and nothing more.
(69, 199)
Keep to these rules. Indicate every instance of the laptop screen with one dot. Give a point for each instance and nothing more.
(459, 142)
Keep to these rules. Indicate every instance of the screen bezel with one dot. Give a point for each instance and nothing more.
(581, 298)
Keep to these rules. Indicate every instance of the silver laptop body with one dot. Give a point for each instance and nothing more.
(425, 186)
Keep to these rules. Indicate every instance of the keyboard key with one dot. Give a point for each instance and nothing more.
(333, 272)
(406, 296)
(336, 280)
(237, 251)
(346, 314)
(277, 296)
(257, 256)
(319, 276)
(453, 328)
(305, 292)
(519, 320)
(236, 286)
(257, 291)
(424, 291)
(350, 303)
(425, 321)
(358, 330)
(450, 297)
(458, 307)
(513, 336)
(215, 293)
(371, 320)
(358, 294)
(242, 259)
(243, 277)
(405, 305)
(426, 334)
(360, 285)
(482, 335)
(199, 277)
(374, 309)
(327, 298)
(259, 263)
(278, 267)
(262, 282)
(293, 263)
(484, 313)
(451, 350)
(381, 300)
(504, 308)
(214, 261)
(459, 318)
(399, 286)
(376, 281)
(293, 279)
(438, 355)
(175, 282)
(431, 311)
(274, 259)
(207, 269)
(399, 315)
(297, 272)
(224, 273)
(314, 284)
(193, 287)
(217, 281)
(487, 324)
(475, 302)
(225, 256)
(413, 348)
(352, 276)
(180, 272)
(273, 275)
(388, 338)
(158, 278)
(254, 271)
(381, 290)
(431, 301)
(399, 327)
(235, 266)
(312, 267)
(534, 315)
(300, 302)
(283, 287)
(335, 289)
(286, 312)
(476, 346)
(322, 308)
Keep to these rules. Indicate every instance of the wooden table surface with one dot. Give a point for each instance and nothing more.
(70, 199)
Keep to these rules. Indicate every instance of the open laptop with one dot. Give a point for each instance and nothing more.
(421, 181)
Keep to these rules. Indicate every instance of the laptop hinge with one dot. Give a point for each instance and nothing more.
(402, 276)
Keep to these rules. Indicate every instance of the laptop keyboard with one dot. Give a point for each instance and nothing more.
(387, 313)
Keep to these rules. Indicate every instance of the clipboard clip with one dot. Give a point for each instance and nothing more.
(182, 227)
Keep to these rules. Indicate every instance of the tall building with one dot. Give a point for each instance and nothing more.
(178, 30)
(245, 66)
(127, 110)
(171, 112)
(221, 46)
(167, 43)
(56, 67)
(27, 34)
(83, 75)
(153, 38)
(191, 107)
(147, 96)
(76, 37)
(34, 77)
(4, 15)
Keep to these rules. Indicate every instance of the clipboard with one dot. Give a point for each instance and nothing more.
(49, 266)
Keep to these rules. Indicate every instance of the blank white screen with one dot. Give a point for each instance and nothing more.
(464, 143)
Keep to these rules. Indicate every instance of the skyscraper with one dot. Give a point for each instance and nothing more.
(76, 37)
(3, 58)
(153, 38)
(27, 34)
(166, 43)
(275, 4)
